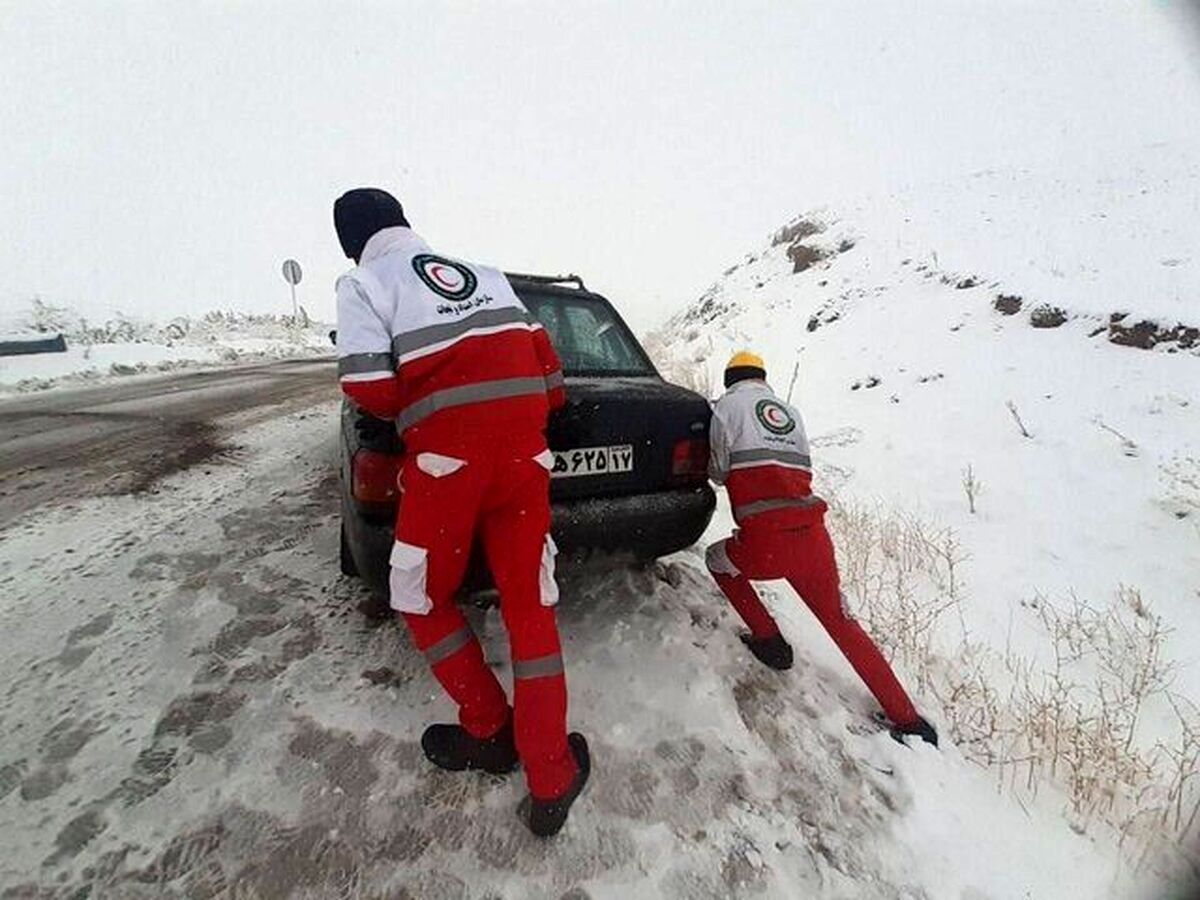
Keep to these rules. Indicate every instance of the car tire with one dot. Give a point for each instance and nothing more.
(345, 557)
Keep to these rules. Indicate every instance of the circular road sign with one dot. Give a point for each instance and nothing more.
(291, 271)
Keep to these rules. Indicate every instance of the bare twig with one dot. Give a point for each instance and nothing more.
(1012, 408)
(972, 486)
(1128, 446)
(795, 375)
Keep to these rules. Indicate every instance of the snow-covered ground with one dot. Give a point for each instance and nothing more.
(192, 707)
(122, 347)
(909, 374)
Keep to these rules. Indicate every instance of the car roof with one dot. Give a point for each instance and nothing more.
(551, 280)
(553, 286)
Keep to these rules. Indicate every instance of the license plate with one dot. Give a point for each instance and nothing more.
(592, 461)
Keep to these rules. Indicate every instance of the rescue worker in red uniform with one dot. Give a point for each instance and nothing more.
(760, 453)
(447, 350)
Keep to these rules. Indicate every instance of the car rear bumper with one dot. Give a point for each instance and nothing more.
(642, 526)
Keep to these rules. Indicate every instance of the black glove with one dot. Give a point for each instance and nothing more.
(377, 434)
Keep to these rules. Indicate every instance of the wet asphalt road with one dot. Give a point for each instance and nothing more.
(123, 437)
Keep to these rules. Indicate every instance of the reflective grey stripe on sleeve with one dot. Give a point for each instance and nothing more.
(403, 344)
(449, 645)
(357, 363)
(469, 393)
(555, 380)
(761, 506)
(769, 455)
(542, 667)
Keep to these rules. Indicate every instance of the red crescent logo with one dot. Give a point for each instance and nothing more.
(436, 272)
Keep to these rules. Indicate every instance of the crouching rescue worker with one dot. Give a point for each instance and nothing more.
(760, 453)
(447, 350)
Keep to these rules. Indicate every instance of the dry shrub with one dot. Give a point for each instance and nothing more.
(1071, 719)
(901, 577)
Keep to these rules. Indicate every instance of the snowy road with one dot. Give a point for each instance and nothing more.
(125, 436)
(191, 706)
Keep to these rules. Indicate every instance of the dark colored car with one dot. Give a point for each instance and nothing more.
(631, 450)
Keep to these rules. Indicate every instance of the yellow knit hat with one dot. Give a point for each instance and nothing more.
(746, 359)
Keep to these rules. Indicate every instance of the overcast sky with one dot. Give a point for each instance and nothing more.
(164, 157)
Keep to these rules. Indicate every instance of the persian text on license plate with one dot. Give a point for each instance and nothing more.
(592, 461)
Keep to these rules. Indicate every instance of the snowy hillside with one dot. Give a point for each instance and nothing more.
(1032, 342)
(123, 346)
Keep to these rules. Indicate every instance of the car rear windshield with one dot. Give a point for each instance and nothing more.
(589, 336)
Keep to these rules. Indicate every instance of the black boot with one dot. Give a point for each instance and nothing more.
(547, 817)
(920, 728)
(772, 651)
(453, 748)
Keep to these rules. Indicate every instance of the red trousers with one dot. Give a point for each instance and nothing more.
(496, 490)
(804, 557)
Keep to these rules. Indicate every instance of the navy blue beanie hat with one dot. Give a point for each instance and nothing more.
(359, 213)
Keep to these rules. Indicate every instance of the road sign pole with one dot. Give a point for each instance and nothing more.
(292, 275)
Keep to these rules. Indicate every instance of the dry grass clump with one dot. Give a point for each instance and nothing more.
(901, 577)
(1073, 716)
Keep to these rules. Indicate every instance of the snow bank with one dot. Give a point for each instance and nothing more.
(124, 346)
(969, 328)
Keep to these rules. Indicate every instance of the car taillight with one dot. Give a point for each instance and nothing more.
(689, 461)
(374, 476)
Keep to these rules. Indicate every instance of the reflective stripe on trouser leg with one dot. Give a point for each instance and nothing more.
(449, 645)
(542, 667)
(457, 662)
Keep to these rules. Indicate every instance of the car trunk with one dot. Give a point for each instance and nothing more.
(645, 414)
